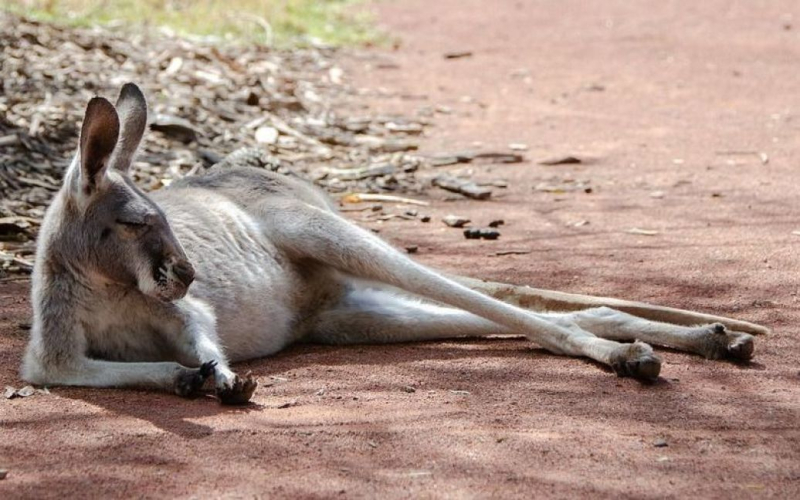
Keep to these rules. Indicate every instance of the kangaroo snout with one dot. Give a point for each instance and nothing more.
(184, 271)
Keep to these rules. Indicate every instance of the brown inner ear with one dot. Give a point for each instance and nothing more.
(99, 135)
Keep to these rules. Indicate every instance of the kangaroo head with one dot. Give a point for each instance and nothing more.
(112, 231)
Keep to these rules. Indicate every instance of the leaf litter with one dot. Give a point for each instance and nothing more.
(294, 110)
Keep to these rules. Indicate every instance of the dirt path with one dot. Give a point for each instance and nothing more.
(656, 97)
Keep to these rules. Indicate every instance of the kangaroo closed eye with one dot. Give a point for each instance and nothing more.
(132, 224)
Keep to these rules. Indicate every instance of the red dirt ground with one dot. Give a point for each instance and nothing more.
(657, 95)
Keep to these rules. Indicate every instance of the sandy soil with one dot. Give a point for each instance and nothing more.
(657, 97)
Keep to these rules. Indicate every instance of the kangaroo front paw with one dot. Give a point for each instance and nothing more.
(637, 360)
(189, 381)
(237, 391)
(717, 342)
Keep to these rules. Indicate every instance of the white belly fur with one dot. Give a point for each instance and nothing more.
(239, 276)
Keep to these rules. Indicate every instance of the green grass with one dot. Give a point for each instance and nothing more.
(275, 22)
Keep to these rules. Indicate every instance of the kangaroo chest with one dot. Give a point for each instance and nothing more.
(129, 330)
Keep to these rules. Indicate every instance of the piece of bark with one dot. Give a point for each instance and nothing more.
(466, 188)
(498, 157)
(174, 127)
(348, 174)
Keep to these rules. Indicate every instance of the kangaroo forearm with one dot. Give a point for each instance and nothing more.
(99, 373)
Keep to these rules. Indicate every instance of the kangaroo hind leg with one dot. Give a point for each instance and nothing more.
(713, 341)
(328, 238)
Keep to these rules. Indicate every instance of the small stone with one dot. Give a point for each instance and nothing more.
(3, 474)
(485, 234)
(26, 391)
(497, 223)
(660, 443)
(515, 146)
(455, 220)
(425, 218)
(267, 135)
(472, 234)
(412, 249)
(411, 212)
(409, 389)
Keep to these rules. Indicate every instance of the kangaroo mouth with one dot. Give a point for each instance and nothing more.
(169, 283)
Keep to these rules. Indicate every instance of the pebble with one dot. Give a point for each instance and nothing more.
(472, 234)
(486, 234)
(455, 220)
(267, 135)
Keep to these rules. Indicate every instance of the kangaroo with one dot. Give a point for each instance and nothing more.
(164, 290)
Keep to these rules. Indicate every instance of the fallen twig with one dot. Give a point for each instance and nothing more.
(509, 252)
(385, 198)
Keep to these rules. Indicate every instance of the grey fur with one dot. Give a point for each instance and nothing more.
(274, 264)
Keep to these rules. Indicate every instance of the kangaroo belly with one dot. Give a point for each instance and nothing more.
(251, 301)
(239, 273)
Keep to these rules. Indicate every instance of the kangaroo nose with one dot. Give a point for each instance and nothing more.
(184, 272)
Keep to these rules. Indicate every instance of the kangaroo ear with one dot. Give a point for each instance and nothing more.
(98, 138)
(132, 109)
